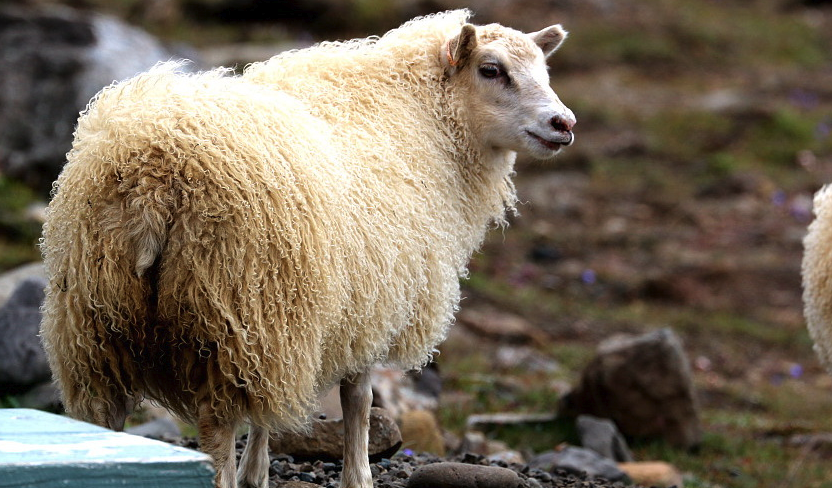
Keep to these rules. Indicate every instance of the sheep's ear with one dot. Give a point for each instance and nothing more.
(549, 39)
(459, 48)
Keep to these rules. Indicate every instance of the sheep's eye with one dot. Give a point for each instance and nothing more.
(490, 70)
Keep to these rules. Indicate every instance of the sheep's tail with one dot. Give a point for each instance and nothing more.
(149, 235)
(817, 276)
(142, 216)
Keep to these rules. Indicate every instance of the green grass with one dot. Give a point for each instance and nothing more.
(550, 306)
(672, 35)
(9, 401)
(18, 233)
(732, 459)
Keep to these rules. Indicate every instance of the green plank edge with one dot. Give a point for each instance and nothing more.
(43, 450)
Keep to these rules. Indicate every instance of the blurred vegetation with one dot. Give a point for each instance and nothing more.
(18, 232)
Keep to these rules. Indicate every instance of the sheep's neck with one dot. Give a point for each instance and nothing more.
(480, 173)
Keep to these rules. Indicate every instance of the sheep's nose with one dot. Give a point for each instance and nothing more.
(562, 123)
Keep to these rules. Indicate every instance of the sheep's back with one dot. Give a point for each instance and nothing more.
(275, 265)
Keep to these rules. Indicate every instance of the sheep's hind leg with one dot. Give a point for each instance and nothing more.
(254, 465)
(356, 399)
(216, 438)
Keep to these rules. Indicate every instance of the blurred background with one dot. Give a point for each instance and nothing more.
(704, 128)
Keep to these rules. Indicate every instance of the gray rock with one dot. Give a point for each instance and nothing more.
(53, 60)
(398, 392)
(325, 440)
(44, 396)
(10, 279)
(602, 436)
(23, 362)
(160, 428)
(395, 391)
(644, 385)
(461, 475)
(576, 460)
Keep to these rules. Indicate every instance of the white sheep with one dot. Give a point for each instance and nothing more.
(817, 276)
(230, 246)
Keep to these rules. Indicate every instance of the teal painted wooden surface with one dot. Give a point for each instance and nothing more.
(43, 450)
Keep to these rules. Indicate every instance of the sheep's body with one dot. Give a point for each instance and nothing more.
(817, 276)
(229, 246)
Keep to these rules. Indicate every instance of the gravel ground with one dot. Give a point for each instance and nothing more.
(395, 472)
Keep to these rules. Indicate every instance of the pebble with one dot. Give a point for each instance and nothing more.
(308, 477)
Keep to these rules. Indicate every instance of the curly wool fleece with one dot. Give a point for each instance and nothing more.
(817, 276)
(252, 239)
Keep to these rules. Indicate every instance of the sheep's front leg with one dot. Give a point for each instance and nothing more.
(356, 399)
(216, 438)
(254, 465)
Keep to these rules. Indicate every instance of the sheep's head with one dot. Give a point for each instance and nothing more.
(501, 73)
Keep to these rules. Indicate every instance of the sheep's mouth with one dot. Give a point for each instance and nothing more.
(561, 139)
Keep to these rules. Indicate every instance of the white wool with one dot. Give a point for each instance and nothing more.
(817, 276)
(250, 240)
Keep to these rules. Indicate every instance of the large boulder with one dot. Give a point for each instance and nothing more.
(10, 280)
(644, 385)
(325, 439)
(53, 61)
(23, 363)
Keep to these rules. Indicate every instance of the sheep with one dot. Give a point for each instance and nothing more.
(817, 276)
(229, 246)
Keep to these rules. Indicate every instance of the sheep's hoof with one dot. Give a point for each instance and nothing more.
(241, 483)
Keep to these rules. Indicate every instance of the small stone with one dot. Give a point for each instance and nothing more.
(421, 432)
(469, 458)
(543, 476)
(602, 436)
(461, 475)
(653, 473)
(307, 477)
(507, 457)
